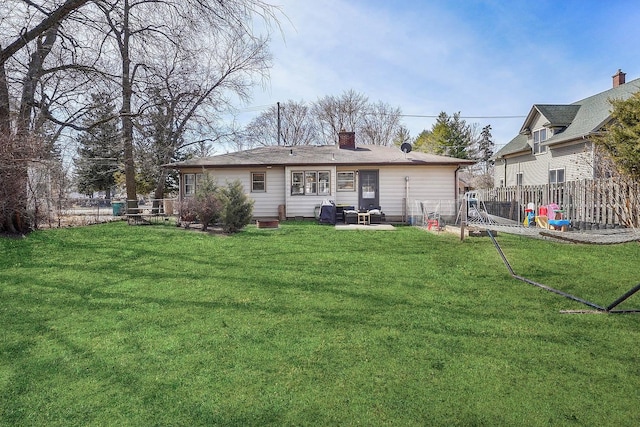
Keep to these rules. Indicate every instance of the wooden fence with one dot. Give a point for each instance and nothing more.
(587, 203)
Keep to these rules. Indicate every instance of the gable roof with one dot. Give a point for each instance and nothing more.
(319, 155)
(581, 118)
(557, 115)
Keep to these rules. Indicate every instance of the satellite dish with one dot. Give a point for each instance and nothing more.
(406, 147)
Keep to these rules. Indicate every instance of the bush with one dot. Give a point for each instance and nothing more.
(188, 211)
(238, 208)
(208, 202)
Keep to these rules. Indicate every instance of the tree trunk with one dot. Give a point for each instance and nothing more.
(125, 114)
(19, 149)
(158, 194)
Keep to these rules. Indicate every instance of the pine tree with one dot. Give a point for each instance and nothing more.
(449, 136)
(621, 139)
(485, 147)
(99, 150)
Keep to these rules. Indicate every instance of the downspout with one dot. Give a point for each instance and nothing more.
(406, 199)
(504, 182)
(456, 190)
(180, 196)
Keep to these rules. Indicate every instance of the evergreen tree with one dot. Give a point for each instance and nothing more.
(449, 136)
(425, 142)
(99, 150)
(485, 148)
(238, 208)
(621, 139)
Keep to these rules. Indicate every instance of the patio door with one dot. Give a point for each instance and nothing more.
(368, 186)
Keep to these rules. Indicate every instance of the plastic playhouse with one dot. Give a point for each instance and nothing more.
(549, 216)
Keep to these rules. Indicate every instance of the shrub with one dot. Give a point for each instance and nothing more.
(238, 208)
(208, 202)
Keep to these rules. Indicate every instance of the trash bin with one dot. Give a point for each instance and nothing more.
(118, 208)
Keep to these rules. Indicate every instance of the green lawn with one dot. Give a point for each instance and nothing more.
(306, 325)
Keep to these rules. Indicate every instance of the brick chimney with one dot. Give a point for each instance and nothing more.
(347, 140)
(618, 78)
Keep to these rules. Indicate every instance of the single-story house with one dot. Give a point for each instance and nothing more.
(553, 145)
(292, 181)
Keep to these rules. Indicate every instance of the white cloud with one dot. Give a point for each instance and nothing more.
(482, 58)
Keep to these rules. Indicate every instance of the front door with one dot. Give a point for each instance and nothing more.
(368, 197)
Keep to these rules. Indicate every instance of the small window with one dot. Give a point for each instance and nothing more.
(258, 182)
(539, 137)
(189, 184)
(556, 176)
(346, 181)
(519, 178)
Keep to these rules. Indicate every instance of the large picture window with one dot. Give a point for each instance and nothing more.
(258, 182)
(310, 183)
(346, 181)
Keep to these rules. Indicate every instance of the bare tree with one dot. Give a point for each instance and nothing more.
(189, 90)
(140, 30)
(17, 148)
(296, 126)
(335, 114)
(380, 124)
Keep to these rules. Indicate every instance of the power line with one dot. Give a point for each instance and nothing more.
(421, 116)
(463, 117)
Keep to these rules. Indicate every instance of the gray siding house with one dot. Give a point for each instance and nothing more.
(297, 179)
(553, 145)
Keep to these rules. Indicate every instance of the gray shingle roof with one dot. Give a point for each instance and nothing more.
(589, 115)
(558, 115)
(319, 155)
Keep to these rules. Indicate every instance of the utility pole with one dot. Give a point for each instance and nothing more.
(278, 104)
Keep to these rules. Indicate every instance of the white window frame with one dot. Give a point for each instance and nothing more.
(554, 173)
(262, 182)
(310, 183)
(189, 186)
(539, 136)
(346, 181)
(324, 183)
(520, 178)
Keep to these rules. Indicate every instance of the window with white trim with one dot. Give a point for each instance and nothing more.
(258, 182)
(346, 181)
(556, 176)
(191, 181)
(310, 183)
(519, 178)
(189, 184)
(539, 136)
(324, 187)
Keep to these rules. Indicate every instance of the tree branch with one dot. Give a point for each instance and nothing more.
(51, 20)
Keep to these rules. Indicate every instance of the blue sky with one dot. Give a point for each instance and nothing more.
(483, 58)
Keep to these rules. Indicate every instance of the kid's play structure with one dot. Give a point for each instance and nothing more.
(476, 214)
(550, 217)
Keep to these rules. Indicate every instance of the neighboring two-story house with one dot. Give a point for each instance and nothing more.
(553, 145)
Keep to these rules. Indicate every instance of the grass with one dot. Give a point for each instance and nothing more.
(306, 325)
